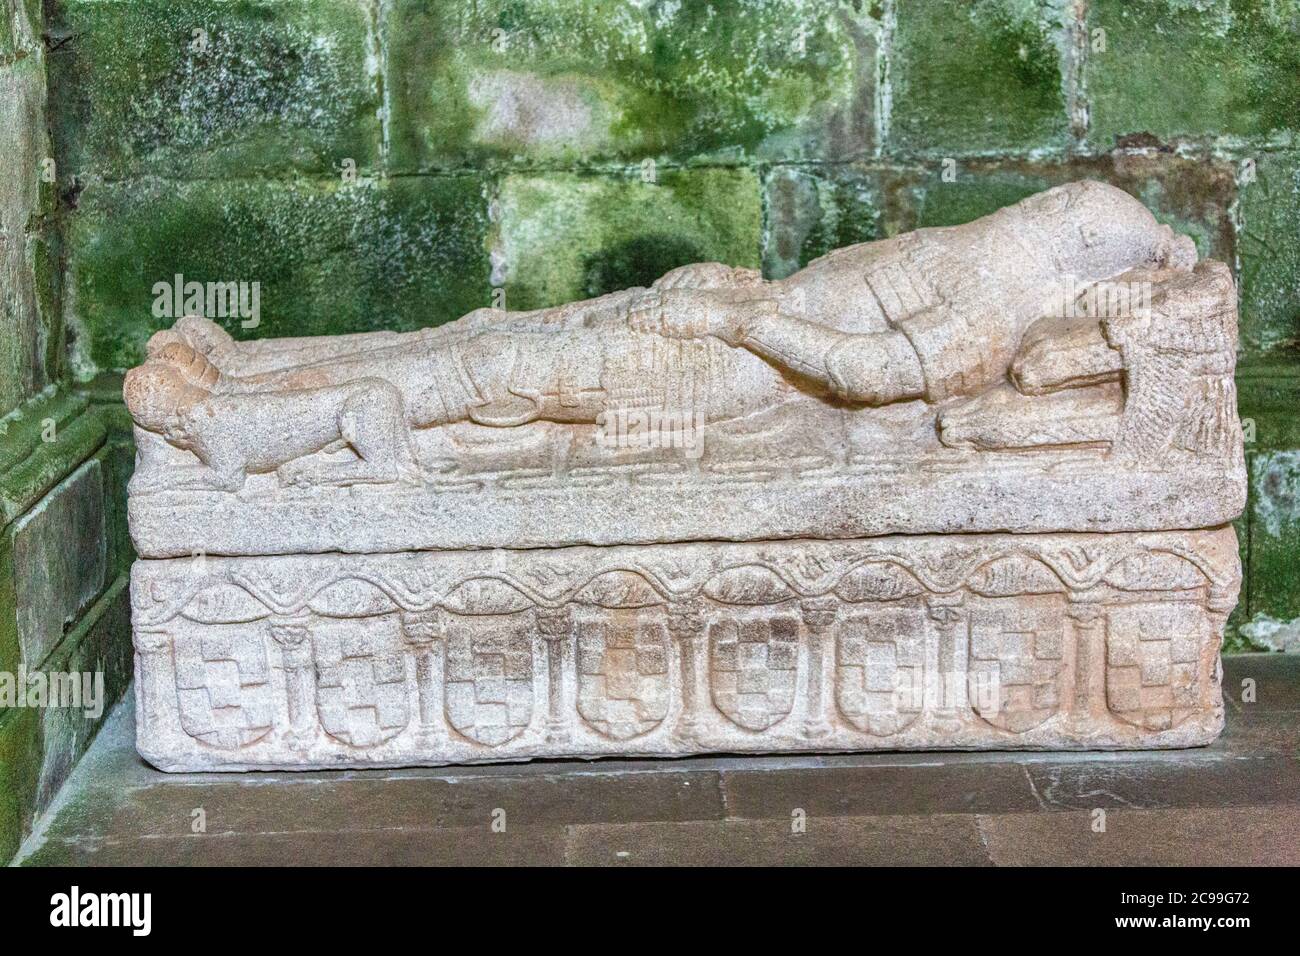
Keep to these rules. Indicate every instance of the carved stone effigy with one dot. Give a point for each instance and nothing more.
(966, 488)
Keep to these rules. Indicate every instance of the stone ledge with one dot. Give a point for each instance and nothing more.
(30, 465)
(622, 507)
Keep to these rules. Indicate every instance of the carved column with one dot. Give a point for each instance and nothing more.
(424, 631)
(949, 698)
(1088, 612)
(819, 619)
(156, 684)
(1219, 602)
(686, 624)
(294, 637)
(555, 625)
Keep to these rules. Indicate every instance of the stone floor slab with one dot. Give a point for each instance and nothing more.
(1234, 802)
(1233, 836)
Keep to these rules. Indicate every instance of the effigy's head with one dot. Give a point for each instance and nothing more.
(1095, 231)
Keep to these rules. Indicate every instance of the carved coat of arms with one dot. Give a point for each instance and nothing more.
(1015, 665)
(623, 686)
(223, 687)
(1153, 663)
(879, 669)
(752, 668)
(489, 678)
(361, 690)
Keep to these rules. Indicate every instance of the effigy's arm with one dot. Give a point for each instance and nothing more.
(871, 368)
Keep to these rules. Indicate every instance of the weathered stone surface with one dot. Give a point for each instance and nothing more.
(392, 511)
(1269, 394)
(27, 343)
(978, 78)
(60, 560)
(1270, 259)
(41, 442)
(20, 765)
(40, 744)
(811, 211)
(895, 643)
(99, 658)
(916, 409)
(1194, 197)
(575, 81)
(328, 257)
(10, 650)
(1174, 68)
(203, 88)
(564, 236)
(1274, 621)
(119, 809)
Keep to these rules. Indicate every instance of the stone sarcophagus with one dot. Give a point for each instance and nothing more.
(965, 488)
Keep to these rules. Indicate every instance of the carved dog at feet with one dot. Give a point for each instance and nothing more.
(177, 395)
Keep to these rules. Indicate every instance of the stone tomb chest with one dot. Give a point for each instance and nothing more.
(968, 488)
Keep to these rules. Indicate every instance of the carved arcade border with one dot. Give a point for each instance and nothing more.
(988, 641)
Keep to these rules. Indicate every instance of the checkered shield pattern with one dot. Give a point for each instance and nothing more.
(622, 677)
(1016, 657)
(361, 690)
(752, 669)
(223, 686)
(879, 669)
(1153, 670)
(489, 678)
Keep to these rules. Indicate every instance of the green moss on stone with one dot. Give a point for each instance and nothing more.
(1234, 640)
(976, 191)
(977, 77)
(328, 257)
(575, 80)
(40, 444)
(24, 370)
(10, 650)
(1268, 395)
(39, 746)
(813, 210)
(20, 772)
(266, 86)
(1193, 68)
(118, 462)
(20, 30)
(1270, 257)
(1274, 542)
(43, 254)
(567, 236)
(100, 643)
